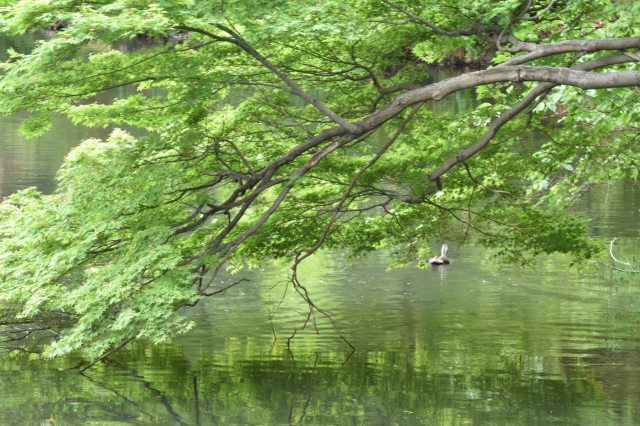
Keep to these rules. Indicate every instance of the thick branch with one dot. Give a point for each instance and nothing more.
(340, 136)
(435, 91)
(493, 128)
(557, 75)
(566, 46)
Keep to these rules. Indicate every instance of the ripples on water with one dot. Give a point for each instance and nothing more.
(469, 344)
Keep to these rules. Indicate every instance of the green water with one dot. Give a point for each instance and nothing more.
(469, 344)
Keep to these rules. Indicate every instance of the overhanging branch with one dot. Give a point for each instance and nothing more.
(568, 46)
(514, 111)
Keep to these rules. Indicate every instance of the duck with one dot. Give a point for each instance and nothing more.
(442, 259)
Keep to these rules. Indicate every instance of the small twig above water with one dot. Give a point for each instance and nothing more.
(106, 354)
(613, 267)
(613, 256)
(634, 269)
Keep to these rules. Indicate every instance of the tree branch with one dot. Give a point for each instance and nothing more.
(352, 184)
(295, 88)
(543, 11)
(453, 33)
(612, 255)
(493, 128)
(567, 46)
(106, 354)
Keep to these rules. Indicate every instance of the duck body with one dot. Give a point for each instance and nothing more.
(442, 259)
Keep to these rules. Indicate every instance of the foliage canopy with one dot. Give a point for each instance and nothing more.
(254, 130)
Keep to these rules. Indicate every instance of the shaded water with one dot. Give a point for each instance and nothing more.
(460, 345)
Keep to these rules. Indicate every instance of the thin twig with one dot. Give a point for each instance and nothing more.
(612, 255)
(117, 348)
(635, 271)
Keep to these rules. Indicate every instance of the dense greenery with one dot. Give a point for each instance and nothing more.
(268, 129)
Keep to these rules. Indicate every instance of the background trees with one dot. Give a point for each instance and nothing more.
(260, 130)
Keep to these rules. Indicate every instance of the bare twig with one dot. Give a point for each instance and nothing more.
(233, 284)
(543, 11)
(613, 256)
(106, 354)
(635, 271)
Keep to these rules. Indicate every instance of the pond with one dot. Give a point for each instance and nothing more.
(474, 343)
